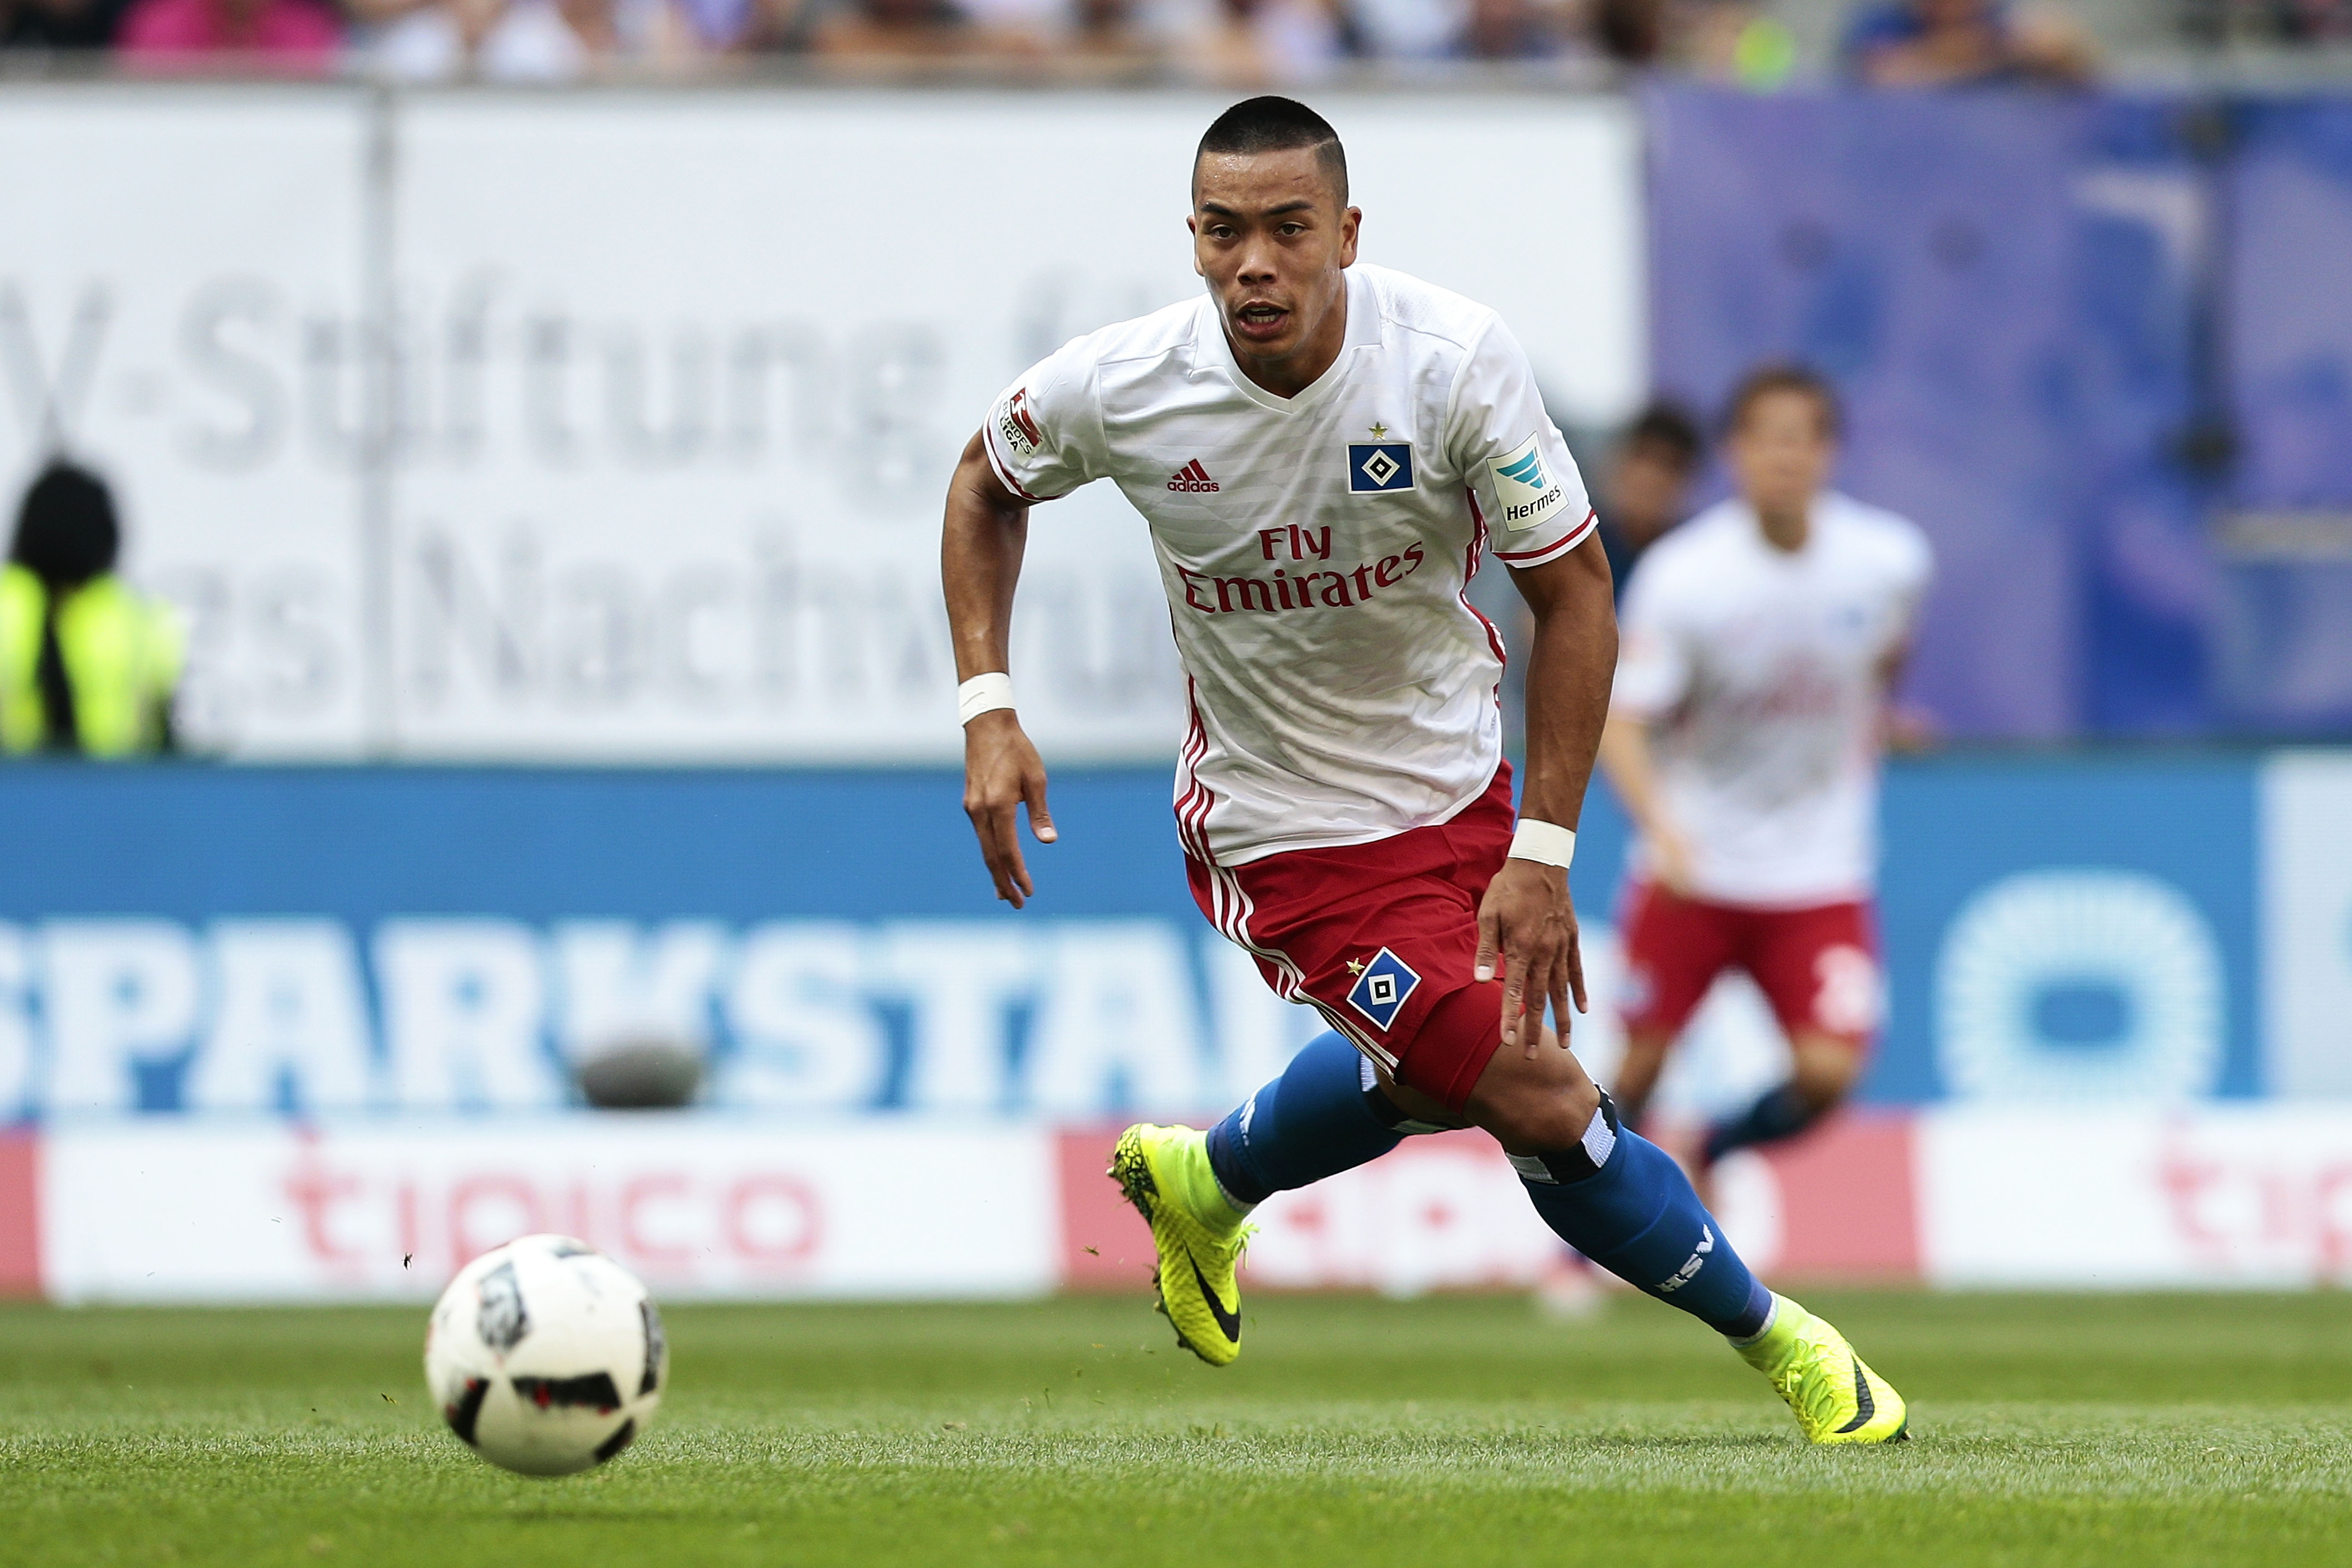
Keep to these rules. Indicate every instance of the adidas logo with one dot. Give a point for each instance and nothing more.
(1192, 477)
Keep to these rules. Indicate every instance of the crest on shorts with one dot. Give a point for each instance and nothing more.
(1381, 990)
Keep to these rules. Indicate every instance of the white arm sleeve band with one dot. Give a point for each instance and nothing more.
(983, 694)
(1547, 842)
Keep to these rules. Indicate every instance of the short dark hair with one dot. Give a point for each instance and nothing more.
(1670, 425)
(67, 531)
(1272, 125)
(1766, 379)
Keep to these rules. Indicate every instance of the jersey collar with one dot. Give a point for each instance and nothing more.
(1363, 332)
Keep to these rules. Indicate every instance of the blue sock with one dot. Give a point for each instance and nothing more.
(1319, 1118)
(1622, 1202)
(1777, 1113)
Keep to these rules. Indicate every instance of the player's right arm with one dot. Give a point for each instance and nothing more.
(979, 564)
(1044, 439)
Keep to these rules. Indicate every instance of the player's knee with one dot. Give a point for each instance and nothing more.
(1541, 1117)
(1826, 1074)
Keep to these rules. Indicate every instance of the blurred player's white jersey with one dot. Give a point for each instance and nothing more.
(1759, 669)
(1314, 549)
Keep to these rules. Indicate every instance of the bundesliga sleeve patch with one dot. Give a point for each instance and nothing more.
(1381, 988)
(1527, 491)
(1017, 426)
(1377, 466)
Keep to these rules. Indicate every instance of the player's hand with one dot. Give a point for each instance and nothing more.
(1910, 731)
(1529, 921)
(1669, 858)
(1002, 771)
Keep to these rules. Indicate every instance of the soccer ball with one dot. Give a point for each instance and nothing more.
(546, 1356)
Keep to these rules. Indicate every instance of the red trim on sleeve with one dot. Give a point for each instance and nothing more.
(1553, 552)
(988, 444)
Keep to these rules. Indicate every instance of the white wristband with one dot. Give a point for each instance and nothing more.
(983, 694)
(1546, 842)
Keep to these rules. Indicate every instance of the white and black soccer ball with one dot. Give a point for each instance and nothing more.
(546, 1356)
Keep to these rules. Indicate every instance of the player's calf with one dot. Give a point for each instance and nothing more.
(1327, 1113)
(1623, 1203)
(1826, 1073)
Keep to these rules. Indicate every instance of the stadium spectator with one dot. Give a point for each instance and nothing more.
(1959, 43)
(1510, 30)
(1407, 30)
(536, 40)
(2220, 23)
(1631, 32)
(1246, 43)
(1107, 30)
(886, 29)
(716, 26)
(1720, 40)
(87, 666)
(1648, 478)
(302, 35)
(59, 24)
(1031, 21)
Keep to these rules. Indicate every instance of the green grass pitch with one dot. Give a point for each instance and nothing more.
(2122, 1431)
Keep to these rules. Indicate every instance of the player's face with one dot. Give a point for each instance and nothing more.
(1783, 451)
(1647, 488)
(1270, 237)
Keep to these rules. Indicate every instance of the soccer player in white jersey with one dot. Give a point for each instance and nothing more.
(1762, 639)
(1323, 452)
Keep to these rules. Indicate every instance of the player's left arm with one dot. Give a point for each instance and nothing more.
(1528, 917)
(1903, 728)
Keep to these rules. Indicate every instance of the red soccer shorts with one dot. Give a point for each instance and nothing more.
(1378, 935)
(1818, 967)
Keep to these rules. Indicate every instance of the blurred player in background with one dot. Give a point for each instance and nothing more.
(1762, 643)
(1650, 475)
(1322, 452)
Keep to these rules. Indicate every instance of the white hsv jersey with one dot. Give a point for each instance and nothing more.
(1315, 547)
(1760, 671)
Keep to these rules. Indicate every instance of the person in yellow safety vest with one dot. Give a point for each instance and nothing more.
(88, 666)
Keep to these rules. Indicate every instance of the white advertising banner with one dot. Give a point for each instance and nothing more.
(180, 278)
(697, 1206)
(617, 425)
(2307, 923)
(1449, 1213)
(719, 1205)
(2254, 1196)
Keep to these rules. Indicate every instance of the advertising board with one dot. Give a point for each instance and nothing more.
(2159, 931)
(615, 426)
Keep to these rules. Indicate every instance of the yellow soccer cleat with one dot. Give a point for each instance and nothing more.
(1164, 1173)
(1837, 1399)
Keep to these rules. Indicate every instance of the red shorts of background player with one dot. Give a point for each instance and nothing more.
(1381, 937)
(1818, 967)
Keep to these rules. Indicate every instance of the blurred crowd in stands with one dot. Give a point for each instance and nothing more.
(1891, 43)
(1232, 42)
